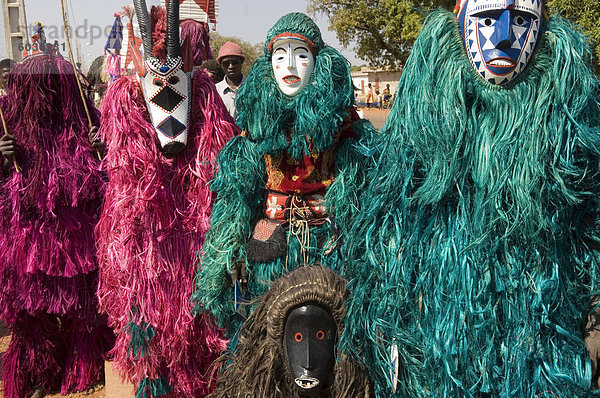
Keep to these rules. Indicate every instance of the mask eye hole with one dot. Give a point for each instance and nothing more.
(158, 82)
(519, 20)
(487, 21)
(173, 80)
(298, 337)
(320, 335)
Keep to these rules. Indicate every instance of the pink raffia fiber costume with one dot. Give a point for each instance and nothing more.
(48, 268)
(156, 213)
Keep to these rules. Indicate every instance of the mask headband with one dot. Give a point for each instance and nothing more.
(288, 35)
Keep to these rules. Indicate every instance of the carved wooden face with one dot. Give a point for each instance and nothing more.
(309, 344)
(166, 85)
(293, 64)
(500, 36)
(167, 90)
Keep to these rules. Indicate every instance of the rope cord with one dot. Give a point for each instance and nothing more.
(299, 227)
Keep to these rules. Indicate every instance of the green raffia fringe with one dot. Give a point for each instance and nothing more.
(239, 184)
(151, 388)
(475, 250)
(140, 336)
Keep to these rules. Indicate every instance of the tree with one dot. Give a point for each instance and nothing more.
(251, 51)
(585, 13)
(383, 31)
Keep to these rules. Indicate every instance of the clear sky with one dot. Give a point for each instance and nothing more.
(247, 19)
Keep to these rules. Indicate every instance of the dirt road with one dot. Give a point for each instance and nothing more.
(375, 116)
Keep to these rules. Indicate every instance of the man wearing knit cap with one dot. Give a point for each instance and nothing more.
(231, 57)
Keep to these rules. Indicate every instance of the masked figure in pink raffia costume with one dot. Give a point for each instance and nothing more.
(164, 129)
(51, 192)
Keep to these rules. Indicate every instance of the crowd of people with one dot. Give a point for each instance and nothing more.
(219, 235)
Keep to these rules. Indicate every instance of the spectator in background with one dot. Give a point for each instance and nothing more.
(369, 96)
(231, 59)
(5, 66)
(387, 96)
(98, 79)
(214, 70)
(386, 90)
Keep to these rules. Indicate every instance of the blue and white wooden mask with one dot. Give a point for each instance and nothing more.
(166, 85)
(500, 35)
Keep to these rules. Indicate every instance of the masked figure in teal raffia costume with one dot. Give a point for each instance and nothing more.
(288, 185)
(476, 234)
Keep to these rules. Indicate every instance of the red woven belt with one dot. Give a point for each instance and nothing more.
(282, 207)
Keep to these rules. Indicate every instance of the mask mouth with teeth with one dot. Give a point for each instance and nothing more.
(291, 337)
(500, 36)
(166, 83)
(306, 382)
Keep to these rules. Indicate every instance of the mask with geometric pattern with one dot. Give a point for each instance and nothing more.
(500, 36)
(166, 85)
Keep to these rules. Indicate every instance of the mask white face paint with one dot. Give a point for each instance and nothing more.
(500, 36)
(167, 92)
(293, 64)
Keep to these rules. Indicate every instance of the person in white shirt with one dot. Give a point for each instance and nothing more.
(231, 58)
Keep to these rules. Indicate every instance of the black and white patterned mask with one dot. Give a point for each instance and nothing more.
(166, 85)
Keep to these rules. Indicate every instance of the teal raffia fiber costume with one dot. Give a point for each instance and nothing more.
(313, 139)
(477, 237)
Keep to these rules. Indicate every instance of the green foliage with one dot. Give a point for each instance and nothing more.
(382, 31)
(585, 13)
(251, 51)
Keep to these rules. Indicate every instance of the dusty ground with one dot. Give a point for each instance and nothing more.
(376, 116)
(97, 392)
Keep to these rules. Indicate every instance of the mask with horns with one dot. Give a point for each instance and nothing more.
(166, 83)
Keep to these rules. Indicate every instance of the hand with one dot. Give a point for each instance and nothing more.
(93, 135)
(8, 148)
(99, 147)
(239, 273)
(95, 141)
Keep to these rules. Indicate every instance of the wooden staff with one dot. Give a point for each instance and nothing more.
(69, 49)
(17, 168)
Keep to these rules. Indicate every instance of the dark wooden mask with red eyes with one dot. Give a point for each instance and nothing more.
(309, 344)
